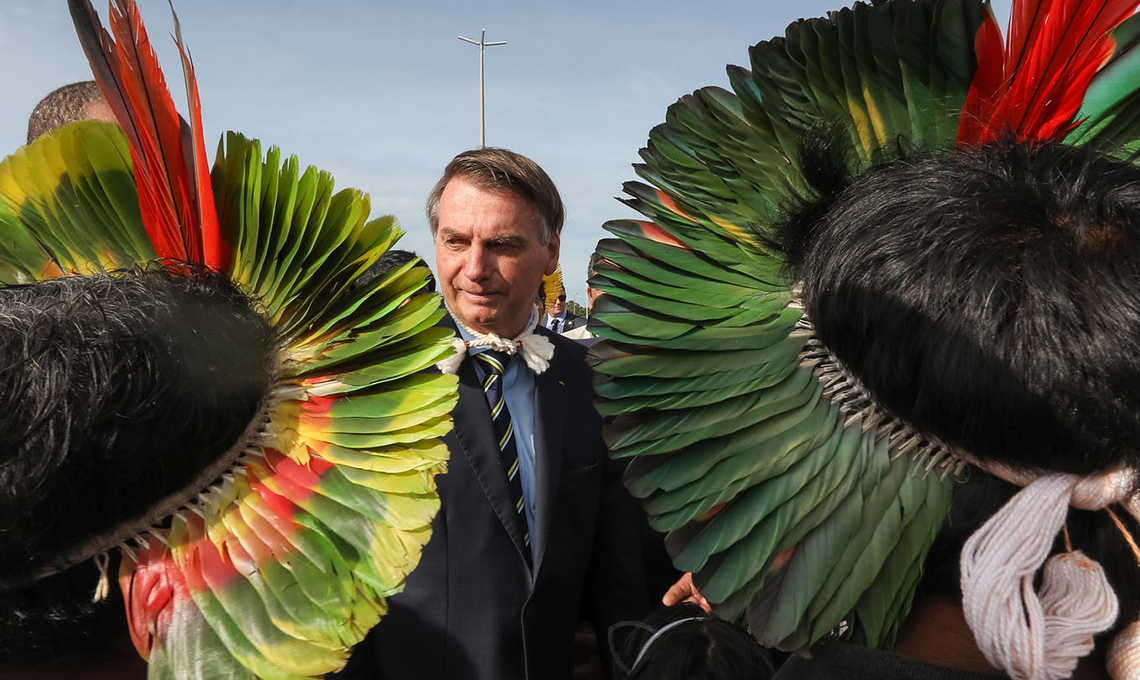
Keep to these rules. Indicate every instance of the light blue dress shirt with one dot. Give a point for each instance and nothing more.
(518, 386)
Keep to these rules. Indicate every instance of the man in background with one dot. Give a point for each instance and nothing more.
(579, 330)
(559, 320)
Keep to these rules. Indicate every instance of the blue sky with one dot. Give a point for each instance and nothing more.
(383, 94)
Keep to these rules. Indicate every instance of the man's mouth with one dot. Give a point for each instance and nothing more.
(480, 296)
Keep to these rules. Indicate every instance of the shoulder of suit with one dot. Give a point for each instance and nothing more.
(564, 347)
(579, 333)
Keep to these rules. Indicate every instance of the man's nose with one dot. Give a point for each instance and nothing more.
(478, 264)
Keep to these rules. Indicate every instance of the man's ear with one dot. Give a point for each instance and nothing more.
(552, 248)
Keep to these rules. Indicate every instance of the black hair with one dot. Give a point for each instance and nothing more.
(990, 298)
(387, 262)
(698, 646)
(118, 389)
(592, 266)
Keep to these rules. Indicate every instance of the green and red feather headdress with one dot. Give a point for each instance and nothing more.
(796, 501)
(280, 556)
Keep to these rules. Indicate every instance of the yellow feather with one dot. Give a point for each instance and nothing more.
(551, 286)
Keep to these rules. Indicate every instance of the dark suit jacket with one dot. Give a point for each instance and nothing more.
(473, 608)
(570, 322)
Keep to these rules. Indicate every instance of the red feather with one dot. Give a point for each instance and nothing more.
(1035, 89)
(152, 589)
(987, 82)
(171, 174)
(215, 251)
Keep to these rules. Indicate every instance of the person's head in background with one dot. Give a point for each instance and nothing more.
(393, 259)
(75, 101)
(685, 642)
(591, 292)
(559, 306)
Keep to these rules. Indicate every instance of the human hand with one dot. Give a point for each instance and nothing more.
(685, 590)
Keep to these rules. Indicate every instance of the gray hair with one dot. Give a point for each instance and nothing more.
(496, 169)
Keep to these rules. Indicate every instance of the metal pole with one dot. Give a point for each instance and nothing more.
(482, 108)
(482, 99)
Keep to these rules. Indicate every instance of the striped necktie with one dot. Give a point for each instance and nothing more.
(496, 364)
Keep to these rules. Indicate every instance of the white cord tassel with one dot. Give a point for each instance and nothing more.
(1034, 637)
(451, 364)
(536, 350)
(1123, 661)
(1078, 603)
(103, 587)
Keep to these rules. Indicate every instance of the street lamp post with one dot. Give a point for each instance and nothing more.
(482, 44)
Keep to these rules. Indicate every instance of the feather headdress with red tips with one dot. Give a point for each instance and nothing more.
(798, 503)
(275, 554)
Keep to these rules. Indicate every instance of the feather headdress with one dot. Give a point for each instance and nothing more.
(277, 555)
(552, 286)
(798, 501)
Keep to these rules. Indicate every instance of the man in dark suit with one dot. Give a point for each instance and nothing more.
(534, 527)
(560, 320)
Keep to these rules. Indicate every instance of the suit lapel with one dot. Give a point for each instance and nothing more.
(549, 412)
(476, 438)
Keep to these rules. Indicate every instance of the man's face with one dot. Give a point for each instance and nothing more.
(489, 256)
(559, 304)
